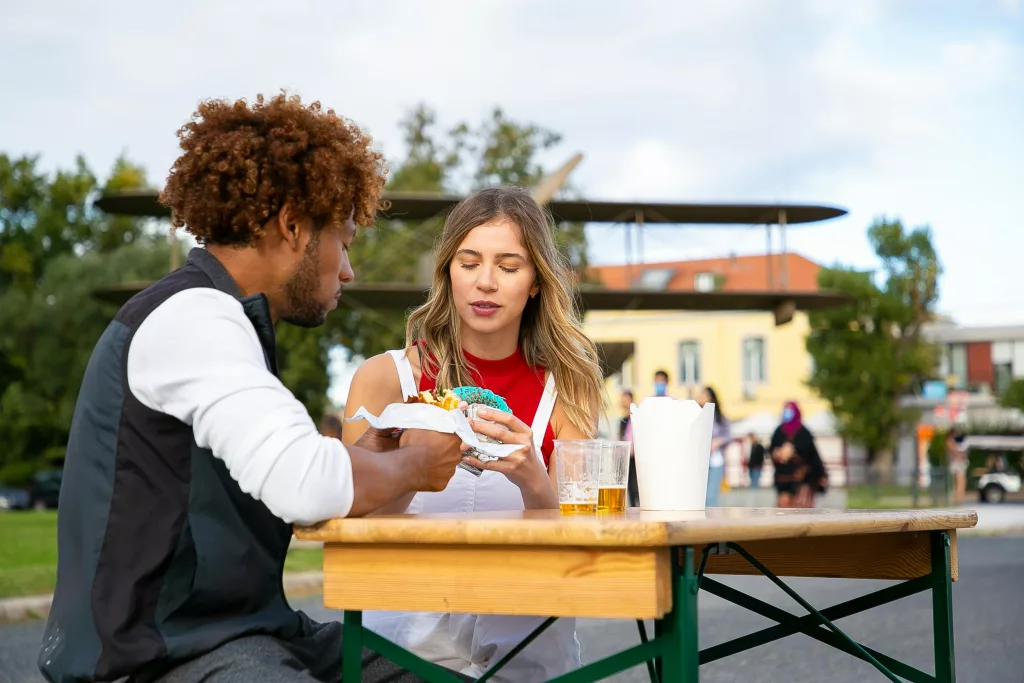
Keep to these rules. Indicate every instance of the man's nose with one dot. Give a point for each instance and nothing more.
(346, 275)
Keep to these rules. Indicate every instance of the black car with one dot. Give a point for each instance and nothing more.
(45, 489)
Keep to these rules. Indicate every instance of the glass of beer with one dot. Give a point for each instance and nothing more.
(577, 464)
(613, 473)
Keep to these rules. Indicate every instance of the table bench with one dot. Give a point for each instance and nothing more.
(638, 565)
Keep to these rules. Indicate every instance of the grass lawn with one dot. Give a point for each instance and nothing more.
(304, 560)
(28, 554)
(892, 497)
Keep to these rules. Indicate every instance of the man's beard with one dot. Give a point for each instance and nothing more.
(301, 289)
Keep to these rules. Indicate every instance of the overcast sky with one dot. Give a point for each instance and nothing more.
(908, 109)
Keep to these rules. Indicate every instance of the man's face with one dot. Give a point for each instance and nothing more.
(314, 285)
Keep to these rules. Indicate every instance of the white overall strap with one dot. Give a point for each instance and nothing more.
(405, 374)
(544, 410)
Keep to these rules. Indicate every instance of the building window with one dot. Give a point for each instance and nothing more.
(656, 278)
(956, 365)
(754, 361)
(689, 363)
(705, 282)
(1003, 376)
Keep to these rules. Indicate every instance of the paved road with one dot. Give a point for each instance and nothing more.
(988, 608)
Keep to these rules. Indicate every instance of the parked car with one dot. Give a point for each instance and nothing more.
(14, 499)
(994, 486)
(997, 479)
(45, 489)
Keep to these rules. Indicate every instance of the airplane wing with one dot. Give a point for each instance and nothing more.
(412, 206)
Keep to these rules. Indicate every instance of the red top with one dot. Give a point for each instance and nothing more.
(514, 380)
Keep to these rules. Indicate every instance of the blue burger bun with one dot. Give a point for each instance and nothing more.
(486, 397)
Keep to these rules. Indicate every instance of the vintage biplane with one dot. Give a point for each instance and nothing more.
(776, 297)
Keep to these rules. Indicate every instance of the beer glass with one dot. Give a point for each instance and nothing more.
(577, 464)
(613, 473)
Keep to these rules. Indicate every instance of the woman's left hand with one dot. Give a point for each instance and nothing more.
(523, 467)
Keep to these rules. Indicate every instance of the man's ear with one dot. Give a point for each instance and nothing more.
(290, 225)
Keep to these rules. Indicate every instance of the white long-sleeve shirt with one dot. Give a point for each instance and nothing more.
(197, 358)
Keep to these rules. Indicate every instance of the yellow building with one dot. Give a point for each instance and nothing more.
(753, 365)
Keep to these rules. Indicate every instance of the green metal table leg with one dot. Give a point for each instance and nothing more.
(352, 647)
(651, 673)
(942, 608)
(681, 656)
(659, 631)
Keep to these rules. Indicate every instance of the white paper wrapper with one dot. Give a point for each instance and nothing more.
(424, 416)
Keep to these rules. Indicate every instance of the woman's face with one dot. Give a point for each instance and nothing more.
(703, 397)
(492, 277)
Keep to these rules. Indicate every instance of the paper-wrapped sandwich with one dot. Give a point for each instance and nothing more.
(475, 398)
(456, 405)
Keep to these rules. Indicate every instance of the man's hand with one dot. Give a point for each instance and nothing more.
(378, 440)
(434, 457)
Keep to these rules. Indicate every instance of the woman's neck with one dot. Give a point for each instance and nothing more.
(491, 346)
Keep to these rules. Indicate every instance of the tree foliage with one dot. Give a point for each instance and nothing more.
(1013, 395)
(54, 251)
(870, 353)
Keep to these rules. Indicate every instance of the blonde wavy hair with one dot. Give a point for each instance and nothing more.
(550, 335)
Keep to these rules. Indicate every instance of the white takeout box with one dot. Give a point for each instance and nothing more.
(672, 448)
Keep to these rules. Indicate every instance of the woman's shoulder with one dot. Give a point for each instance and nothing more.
(382, 369)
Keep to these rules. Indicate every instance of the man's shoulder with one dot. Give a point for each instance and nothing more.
(140, 306)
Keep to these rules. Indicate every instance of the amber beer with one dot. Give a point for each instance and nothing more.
(577, 508)
(611, 499)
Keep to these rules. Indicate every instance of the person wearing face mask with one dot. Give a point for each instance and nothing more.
(799, 470)
(500, 316)
(661, 383)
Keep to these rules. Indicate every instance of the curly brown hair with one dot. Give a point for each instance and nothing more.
(242, 163)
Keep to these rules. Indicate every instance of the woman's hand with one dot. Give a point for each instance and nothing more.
(784, 452)
(524, 467)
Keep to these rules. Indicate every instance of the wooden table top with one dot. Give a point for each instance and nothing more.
(633, 528)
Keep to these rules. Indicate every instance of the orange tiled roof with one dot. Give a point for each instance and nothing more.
(738, 273)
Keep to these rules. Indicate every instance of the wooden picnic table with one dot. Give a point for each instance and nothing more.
(638, 565)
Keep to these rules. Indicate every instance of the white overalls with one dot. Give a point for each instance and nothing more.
(470, 643)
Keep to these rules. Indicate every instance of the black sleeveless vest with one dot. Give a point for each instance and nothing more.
(162, 557)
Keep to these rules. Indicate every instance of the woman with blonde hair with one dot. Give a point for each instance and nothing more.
(500, 316)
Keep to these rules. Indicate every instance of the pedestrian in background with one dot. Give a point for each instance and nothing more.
(626, 434)
(721, 436)
(755, 461)
(799, 471)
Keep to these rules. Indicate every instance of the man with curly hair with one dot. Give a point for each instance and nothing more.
(188, 459)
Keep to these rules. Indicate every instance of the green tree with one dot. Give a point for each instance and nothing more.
(54, 250)
(1013, 395)
(871, 353)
